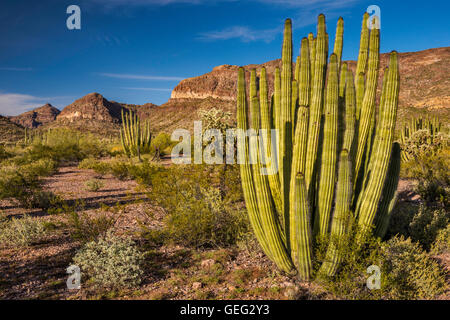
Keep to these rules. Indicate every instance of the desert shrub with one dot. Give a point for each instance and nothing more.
(21, 231)
(161, 143)
(62, 145)
(423, 143)
(426, 225)
(442, 242)
(198, 214)
(84, 228)
(45, 200)
(432, 175)
(3, 153)
(94, 185)
(111, 262)
(206, 221)
(421, 223)
(408, 272)
(23, 182)
(350, 282)
(99, 167)
(119, 169)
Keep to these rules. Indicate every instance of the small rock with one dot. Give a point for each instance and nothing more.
(197, 285)
(291, 292)
(287, 284)
(206, 264)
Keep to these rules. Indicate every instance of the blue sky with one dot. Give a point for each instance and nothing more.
(136, 51)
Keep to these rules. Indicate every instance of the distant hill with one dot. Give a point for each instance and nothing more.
(37, 117)
(424, 88)
(10, 131)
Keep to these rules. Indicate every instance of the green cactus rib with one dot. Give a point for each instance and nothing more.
(329, 152)
(350, 118)
(300, 140)
(341, 111)
(304, 86)
(277, 107)
(302, 229)
(339, 41)
(312, 53)
(285, 145)
(245, 167)
(264, 215)
(361, 65)
(267, 212)
(315, 114)
(297, 69)
(389, 197)
(274, 181)
(360, 84)
(298, 165)
(294, 102)
(372, 130)
(381, 153)
(341, 217)
(368, 104)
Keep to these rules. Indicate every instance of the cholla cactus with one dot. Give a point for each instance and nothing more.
(135, 139)
(336, 155)
(422, 137)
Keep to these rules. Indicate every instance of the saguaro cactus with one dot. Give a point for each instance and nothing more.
(337, 162)
(136, 139)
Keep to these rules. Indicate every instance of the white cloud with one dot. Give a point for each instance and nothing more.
(12, 104)
(138, 77)
(245, 34)
(15, 103)
(305, 16)
(147, 89)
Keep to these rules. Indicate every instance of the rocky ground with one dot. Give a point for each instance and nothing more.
(172, 272)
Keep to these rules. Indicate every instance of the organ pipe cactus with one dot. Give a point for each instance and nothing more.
(336, 157)
(135, 138)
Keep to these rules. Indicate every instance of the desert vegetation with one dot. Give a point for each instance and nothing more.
(352, 190)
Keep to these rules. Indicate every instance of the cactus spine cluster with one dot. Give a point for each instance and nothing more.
(136, 139)
(336, 155)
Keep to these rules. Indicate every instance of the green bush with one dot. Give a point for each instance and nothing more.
(94, 185)
(3, 153)
(426, 225)
(99, 167)
(21, 231)
(422, 224)
(409, 273)
(442, 242)
(84, 228)
(23, 183)
(432, 175)
(111, 262)
(423, 143)
(161, 143)
(198, 214)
